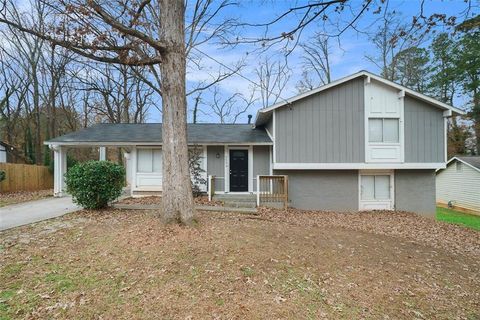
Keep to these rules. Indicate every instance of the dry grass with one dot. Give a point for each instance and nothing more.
(23, 196)
(127, 265)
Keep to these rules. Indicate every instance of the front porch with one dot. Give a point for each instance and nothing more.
(239, 175)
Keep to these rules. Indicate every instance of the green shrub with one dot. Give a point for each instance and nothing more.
(3, 175)
(94, 184)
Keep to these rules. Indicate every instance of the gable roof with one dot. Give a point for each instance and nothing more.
(151, 134)
(471, 161)
(264, 114)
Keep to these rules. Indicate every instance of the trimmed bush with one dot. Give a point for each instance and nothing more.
(94, 184)
(3, 175)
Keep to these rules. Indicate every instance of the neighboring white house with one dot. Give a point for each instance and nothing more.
(459, 183)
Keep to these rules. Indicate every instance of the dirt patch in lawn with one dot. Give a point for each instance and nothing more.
(152, 200)
(23, 196)
(127, 265)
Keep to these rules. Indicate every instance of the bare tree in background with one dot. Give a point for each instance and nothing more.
(271, 78)
(14, 86)
(392, 37)
(27, 52)
(315, 63)
(123, 96)
(229, 109)
(150, 34)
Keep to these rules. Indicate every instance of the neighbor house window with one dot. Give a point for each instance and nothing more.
(375, 187)
(383, 130)
(459, 166)
(149, 160)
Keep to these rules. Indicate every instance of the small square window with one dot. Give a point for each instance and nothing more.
(385, 130)
(459, 166)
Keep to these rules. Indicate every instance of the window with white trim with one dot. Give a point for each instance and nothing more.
(375, 187)
(383, 130)
(149, 160)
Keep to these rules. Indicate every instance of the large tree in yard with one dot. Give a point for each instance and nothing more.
(149, 34)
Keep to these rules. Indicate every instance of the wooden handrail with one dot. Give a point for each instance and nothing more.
(272, 189)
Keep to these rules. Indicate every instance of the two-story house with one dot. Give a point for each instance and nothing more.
(358, 143)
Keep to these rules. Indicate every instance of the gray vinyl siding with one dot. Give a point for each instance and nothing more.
(462, 187)
(261, 163)
(216, 166)
(325, 127)
(424, 132)
(415, 191)
(322, 189)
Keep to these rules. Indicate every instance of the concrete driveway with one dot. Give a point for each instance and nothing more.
(34, 211)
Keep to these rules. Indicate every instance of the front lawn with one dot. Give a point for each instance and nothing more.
(118, 264)
(457, 217)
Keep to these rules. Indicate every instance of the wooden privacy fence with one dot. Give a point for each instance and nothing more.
(272, 190)
(25, 177)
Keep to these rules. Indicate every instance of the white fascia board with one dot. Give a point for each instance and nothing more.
(370, 76)
(357, 166)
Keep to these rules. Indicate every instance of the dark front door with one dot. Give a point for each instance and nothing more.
(238, 170)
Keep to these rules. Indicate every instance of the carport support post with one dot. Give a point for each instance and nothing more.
(102, 153)
(59, 170)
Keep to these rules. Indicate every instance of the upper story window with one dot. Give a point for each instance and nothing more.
(383, 130)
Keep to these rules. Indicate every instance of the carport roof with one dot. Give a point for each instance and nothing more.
(151, 134)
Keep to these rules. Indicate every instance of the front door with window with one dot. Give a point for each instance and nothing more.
(376, 191)
(238, 170)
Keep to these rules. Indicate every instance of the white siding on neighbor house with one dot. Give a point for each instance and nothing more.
(462, 187)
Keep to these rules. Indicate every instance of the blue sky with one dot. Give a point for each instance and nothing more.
(348, 54)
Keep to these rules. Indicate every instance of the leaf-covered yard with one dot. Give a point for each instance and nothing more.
(126, 264)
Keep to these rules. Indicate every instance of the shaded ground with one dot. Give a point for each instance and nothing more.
(457, 217)
(152, 200)
(23, 196)
(126, 264)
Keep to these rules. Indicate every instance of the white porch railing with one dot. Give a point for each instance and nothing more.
(211, 187)
(272, 190)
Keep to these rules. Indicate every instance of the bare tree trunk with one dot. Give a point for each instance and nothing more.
(177, 198)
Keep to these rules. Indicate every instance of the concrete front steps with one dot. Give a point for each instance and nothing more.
(246, 201)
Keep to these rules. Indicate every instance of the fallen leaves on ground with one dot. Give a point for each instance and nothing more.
(125, 264)
(151, 200)
(9, 198)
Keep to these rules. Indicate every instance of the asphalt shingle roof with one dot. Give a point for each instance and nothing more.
(152, 132)
(471, 160)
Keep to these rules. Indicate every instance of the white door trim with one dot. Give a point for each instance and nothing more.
(376, 204)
